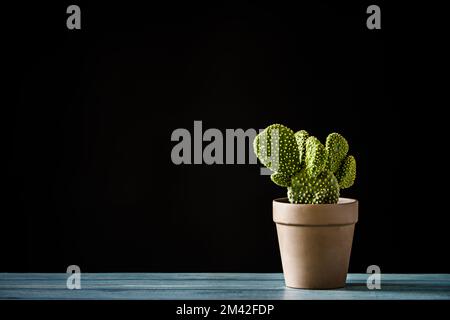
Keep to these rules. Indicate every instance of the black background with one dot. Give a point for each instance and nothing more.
(89, 114)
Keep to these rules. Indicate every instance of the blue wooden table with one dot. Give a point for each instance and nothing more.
(223, 286)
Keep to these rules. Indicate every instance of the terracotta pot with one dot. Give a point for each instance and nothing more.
(315, 242)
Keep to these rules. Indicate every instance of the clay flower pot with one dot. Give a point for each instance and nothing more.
(315, 242)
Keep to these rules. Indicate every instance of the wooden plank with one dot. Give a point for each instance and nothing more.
(227, 286)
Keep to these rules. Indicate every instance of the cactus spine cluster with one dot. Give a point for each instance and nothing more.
(312, 172)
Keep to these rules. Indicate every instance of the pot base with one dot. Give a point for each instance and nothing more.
(313, 288)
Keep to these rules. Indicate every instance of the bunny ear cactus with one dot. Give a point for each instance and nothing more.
(277, 149)
(311, 172)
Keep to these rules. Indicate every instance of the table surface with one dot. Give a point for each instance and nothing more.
(216, 286)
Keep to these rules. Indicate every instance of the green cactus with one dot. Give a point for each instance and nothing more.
(311, 172)
(316, 156)
(337, 148)
(277, 149)
(323, 188)
(347, 172)
(300, 137)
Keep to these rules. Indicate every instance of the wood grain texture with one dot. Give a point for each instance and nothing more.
(216, 286)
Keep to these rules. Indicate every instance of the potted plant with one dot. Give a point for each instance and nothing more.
(314, 225)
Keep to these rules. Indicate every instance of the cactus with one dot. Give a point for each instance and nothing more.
(311, 172)
(277, 149)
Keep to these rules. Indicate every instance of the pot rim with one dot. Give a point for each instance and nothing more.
(345, 212)
(341, 202)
